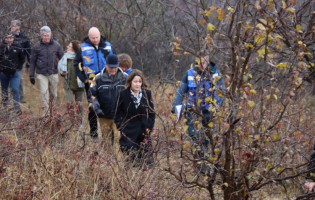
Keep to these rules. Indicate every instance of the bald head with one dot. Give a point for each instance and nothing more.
(94, 35)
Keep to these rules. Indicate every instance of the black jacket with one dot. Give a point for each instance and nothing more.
(44, 58)
(12, 59)
(78, 58)
(106, 90)
(311, 165)
(134, 123)
(22, 39)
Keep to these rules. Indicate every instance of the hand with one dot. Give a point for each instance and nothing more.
(28, 65)
(64, 73)
(100, 113)
(32, 79)
(309, 186)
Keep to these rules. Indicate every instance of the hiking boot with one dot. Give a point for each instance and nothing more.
(94, 139)
(23, 100)
(17, 111)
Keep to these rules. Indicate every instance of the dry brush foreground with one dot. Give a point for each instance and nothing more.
(48, 158)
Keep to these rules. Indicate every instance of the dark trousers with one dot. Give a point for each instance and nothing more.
(92, 117)
(141, 153)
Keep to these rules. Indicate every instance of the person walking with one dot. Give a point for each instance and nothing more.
(135, 117)
(74, 88)
(200, 93)
(108, 84)
(44, 60)
(125, 63)
(22, 39)
(11, 61)
(89, 61)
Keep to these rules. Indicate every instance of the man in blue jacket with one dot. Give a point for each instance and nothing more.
(91, 59)
(200, 91)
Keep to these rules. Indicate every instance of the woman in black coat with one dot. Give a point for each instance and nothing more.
(134, 115)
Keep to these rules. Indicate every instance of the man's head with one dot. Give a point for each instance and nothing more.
(204, 62)
(45, 33)
(15, 26)
(125, 61)
(94, 36)
(112, 64)
(9, 38)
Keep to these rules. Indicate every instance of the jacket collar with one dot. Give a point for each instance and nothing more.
(101, 44)
(50, 42)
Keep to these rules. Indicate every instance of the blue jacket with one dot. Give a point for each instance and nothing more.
(95, 59)
(189, 86)
(91, 57)
(128, 70)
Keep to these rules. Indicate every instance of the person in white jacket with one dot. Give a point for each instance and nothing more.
(74, 88)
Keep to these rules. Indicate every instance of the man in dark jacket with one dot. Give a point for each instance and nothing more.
(89, 61)
(11, 60)
(22, 38)
(44, 60)
(108, 84)
(309, 182)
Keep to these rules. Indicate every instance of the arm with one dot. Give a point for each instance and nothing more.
(117, 111)
(60, 66)
(21, 56)
(59, 52)
(27, 48)
(80, 72)
(151, 113)
(33, 62)
(181, 91)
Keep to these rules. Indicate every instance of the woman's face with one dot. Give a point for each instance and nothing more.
(136, 83)
(69, 47)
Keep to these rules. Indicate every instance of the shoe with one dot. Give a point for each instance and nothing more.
(18, 111)
(23, 100)
(94, 139)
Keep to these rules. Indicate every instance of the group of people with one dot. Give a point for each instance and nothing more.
(121, 103)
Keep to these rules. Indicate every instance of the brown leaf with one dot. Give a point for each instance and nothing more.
(293, 2)
(220, 13)
(202, 21)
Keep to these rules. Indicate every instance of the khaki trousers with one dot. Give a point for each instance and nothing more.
(110, 133)
(46, 84)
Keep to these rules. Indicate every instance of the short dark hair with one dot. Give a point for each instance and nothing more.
(133, 73)
(76, 44)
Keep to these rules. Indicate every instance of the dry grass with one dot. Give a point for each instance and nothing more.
(46, 158)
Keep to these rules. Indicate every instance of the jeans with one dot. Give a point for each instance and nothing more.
(198, 136)
(14, 80)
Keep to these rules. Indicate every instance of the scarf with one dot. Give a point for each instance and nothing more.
(136, 98)
(62, 65)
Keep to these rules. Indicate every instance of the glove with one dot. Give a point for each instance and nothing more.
(32, 79)
(27, 65)
(100, 113)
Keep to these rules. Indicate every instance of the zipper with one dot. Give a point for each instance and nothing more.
(98, 63)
